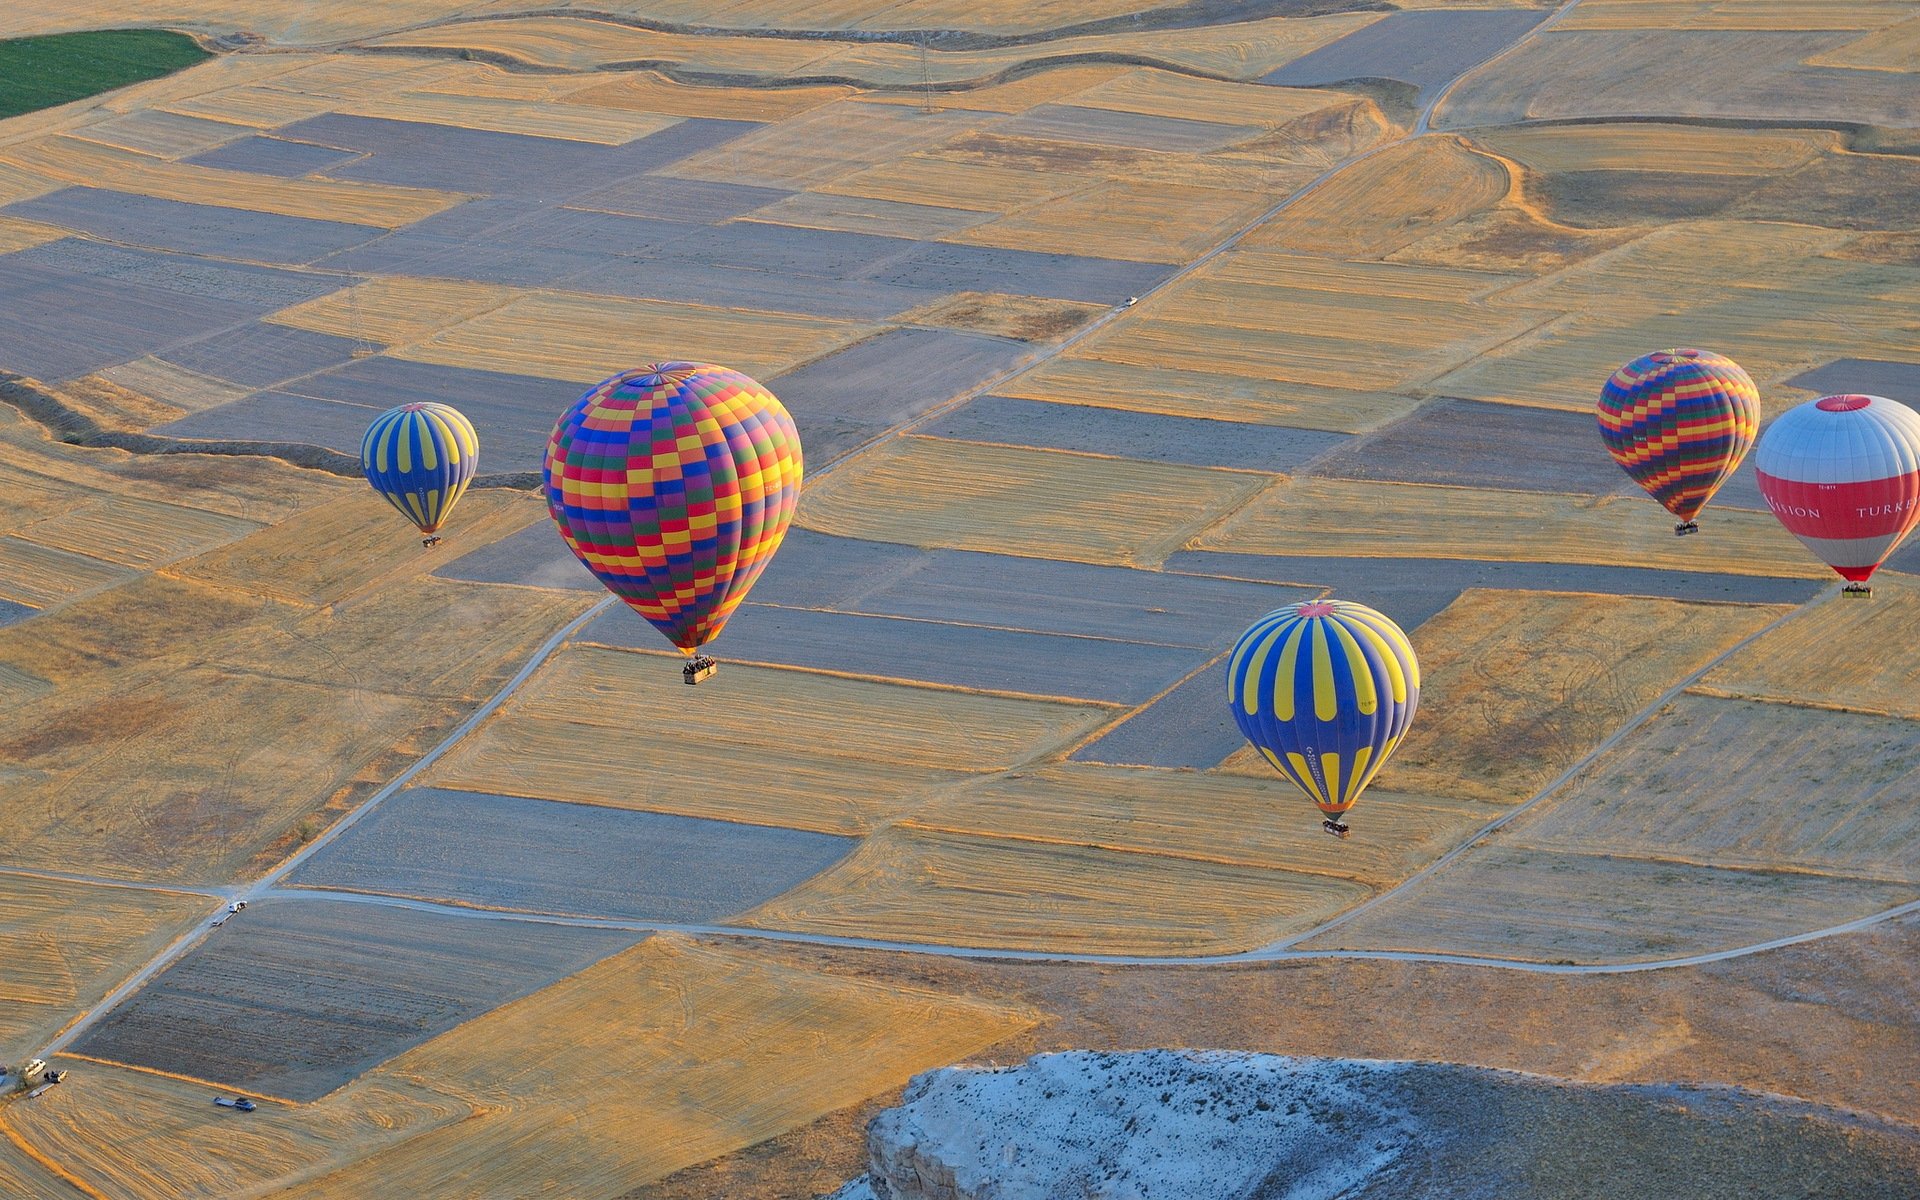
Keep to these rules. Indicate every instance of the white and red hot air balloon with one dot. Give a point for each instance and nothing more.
(1843, 475)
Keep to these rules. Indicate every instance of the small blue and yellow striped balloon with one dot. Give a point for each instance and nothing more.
(421, 458)
(1325, 690)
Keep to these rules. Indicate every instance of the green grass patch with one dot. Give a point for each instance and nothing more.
(40, 72)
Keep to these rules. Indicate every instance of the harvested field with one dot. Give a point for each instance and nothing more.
(1426, 49)
(810, 751)
(142, 534)
(584, 339)
(1804, 662)
(395, 310)
(16, 234)
(915, 885)
(294, 999)
(968, 656)
(1683, 149)
(1735, 14)
(163, 134)
(572, 859)
(863, 214)
(803, 712)
(1121, 434)
(1747, 75)
(58, 325)
(1412, 590)
(953, 267)
(129, 1133)
(1467, 443)
(181, 773)
(1393, 199)
(580, 44)
(413, 636)
(1045, 595)
(1537, 905)
(64, 945)
(273, 156)
(90, 164)
(1209, 395)
(824, 144)
(1016, 94)
(1422, 521)
(964, 184)
(500, 114)
(194, 229)
(1886, 49)
(1183, 728)
(646, 91)
(823, 793)
(1026, 318)
(42, 576)
(1151, 222)
(1071, 123)
(262, 355)
(695, 201)
(1734, 783)
(1204, 817)
(843, 399)
(366, 540)
(339, 22)
(1517, 686)
(1166, 94)
(927, 492)
(690, 1051)
(151, 618)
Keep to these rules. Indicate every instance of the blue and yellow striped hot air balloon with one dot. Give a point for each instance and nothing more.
(1325, 690)
(421, 458)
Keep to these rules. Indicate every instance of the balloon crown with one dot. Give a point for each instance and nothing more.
(1667, 356)
(1316, 608)
(1850, 403)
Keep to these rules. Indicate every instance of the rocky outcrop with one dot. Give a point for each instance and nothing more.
(1181, 1125)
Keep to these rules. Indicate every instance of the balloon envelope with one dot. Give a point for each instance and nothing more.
(1325, 690)
(674, 484)
(421, 458)
(1842, 473)
(1679, 422)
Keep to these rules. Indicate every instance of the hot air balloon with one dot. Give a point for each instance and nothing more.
(421, 458)
(1843, 475)
(674, 484)
(1679, 422)
(1325, 690)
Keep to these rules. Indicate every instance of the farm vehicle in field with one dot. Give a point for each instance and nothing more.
(238, 1102)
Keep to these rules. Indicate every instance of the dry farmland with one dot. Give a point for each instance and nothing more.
(1306, 516)
(1095, 316)
(63, 945)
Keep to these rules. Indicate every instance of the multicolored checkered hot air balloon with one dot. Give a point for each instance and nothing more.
(674, 484)
(1679, 422)
(421, 458)
(1843, 475)
(1325, 690)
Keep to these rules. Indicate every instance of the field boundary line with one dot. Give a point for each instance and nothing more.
(1231, 958)
(177, 1077)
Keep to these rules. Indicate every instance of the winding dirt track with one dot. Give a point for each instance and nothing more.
(269, 885)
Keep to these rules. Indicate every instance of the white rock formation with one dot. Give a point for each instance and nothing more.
(1154, 1125)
